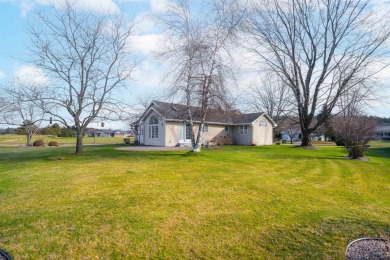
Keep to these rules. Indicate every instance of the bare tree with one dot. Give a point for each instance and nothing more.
(355, 130)
(3, 109)
(272, 96)
(19, 109)
(290, 126)
(319, 48)
(352, 127)
(86, 57)
(199, 50)
(292, 129)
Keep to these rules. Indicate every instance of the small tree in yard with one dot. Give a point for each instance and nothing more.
(351, 127)
(86, 57)
(290, 126)
(355, 131)
(200, 38)
(19, 109)
(292, 132)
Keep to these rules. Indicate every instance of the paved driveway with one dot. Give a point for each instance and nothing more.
(153, 148)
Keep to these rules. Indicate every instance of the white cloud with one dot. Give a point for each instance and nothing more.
(131, 1)
(149, 74)
(159, 6)
(92, 5)
(147, 44)
(25, 7)
(2, 75)
(28, 75)
(144, 23)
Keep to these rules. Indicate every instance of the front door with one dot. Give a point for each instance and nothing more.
(184, 133)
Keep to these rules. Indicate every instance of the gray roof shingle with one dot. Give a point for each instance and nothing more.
(178, 112)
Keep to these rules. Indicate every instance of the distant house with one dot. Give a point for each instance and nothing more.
(167, 124)
(382, 131)
(118, 133)
(92, 132)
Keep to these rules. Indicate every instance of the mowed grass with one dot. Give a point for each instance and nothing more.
(14, 140)
(232, 202)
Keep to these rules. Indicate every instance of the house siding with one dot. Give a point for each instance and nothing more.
(213, 131)
(242, 139)
(172, 130)
(262, 135)
(171, 133)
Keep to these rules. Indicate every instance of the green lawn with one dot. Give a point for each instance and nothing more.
(232, 202)
(14, 140)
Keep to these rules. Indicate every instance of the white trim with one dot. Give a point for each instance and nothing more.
(147, 112)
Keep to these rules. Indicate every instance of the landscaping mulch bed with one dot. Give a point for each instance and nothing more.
(368, 249)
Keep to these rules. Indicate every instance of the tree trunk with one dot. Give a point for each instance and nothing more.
(306, 140)
(197, 145)
(79, 142)
(28, 138)
(291, 140)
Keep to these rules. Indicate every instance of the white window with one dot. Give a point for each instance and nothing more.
(153, 131)
(185, 132)
(205, 128)
(263, 122)
(153, 127)
(226, 128)
(243, 129)
(141, 130)
(188, 131)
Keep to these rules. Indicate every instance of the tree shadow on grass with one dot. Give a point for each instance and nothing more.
(97, 152)
(383, 152)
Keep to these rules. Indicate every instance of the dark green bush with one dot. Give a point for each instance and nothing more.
(39, 142)
(126, 140)
(53, 143)
(339, 141)
(357, 151)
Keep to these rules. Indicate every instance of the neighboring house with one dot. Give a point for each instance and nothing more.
(119, 133)
(296, 136)
(167, 124)
(92, 132)
(382, 131)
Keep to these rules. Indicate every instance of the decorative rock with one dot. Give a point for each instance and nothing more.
(368, 248)
(4, 256)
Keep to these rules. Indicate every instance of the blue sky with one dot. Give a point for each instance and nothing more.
(15, 14)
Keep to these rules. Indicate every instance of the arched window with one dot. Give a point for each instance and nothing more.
(263, 122)
(153, 127)
(153, 120)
